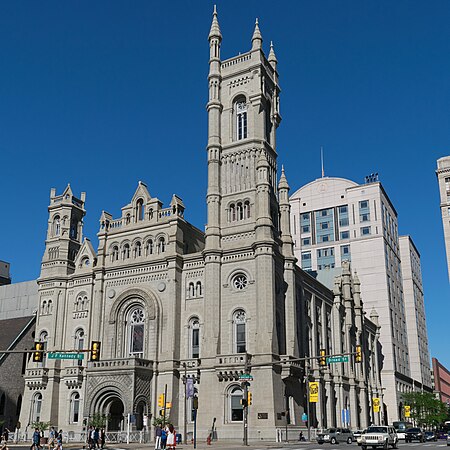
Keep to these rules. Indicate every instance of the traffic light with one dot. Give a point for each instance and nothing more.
(322, 359)
(358, 357)
(161, 400)
(244, 402)
(249, 398)
(194, 402)
(95, 350)
(38, 354)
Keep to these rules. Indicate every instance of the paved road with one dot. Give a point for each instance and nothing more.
(439, 445)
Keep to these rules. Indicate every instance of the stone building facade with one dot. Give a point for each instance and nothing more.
(170, 302)
(443, 176)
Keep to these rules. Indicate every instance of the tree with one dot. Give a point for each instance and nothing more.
(98, 420)
(426, 409)
(41, 426)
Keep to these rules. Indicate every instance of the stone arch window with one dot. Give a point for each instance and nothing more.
(73, 229)
(240, 111)
(49, 307)
(198, 289)
(161, 245)
(85, 262)
(2, 404)
(115, 253)
(232, 213)
(240, 331)
(246, 209)
(191, 290)
(44, 308)
(79, 343)
(127, 219)
(74, 407)
(149, 247)
(56, 226)
(126, 251)
(194, 338)
(36, 407)
(150, 213)
(234, 407)
(239, 281)
(43, 337)
(137, 249)
(19, 405)
(140, 210)
(135, 331)
(239, 211)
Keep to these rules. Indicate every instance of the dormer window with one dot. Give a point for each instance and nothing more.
(241, 119)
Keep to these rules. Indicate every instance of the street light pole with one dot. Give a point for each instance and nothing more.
(308, 412)
(185, 404)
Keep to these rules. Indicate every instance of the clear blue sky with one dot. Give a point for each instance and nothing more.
(103, 94)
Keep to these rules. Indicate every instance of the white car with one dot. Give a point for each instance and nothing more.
(379, 436)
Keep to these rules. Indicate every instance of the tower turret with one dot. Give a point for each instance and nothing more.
(285, 211)
(257, 38)
(64, 233)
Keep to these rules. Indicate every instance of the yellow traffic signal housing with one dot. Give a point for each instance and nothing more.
(249, 398)
(38, 354)
(358, 357)
(322, 359)
(95, 350)
(161, 400)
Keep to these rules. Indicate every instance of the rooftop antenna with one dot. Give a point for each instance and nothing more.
(321, 160)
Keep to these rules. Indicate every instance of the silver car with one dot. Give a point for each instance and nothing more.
(335, 435)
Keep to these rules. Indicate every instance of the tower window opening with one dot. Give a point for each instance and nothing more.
(241, 120)
(56, 226)
(149, 248)
(140, 210)
(126, 251)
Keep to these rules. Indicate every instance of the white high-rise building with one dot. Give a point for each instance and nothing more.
(334, 220)
(443, 174)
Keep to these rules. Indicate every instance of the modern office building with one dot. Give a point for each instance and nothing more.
(416, 325)
(335, 220)
(443, 175)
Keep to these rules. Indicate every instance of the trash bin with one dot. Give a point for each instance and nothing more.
(178, 437)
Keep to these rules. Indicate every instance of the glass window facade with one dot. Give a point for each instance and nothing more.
(343, 216)
(305, 222)
(306, 261)
(365, 231)
(325, 225)
(345, 253)
(325, 258)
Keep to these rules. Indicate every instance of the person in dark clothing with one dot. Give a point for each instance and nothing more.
(102, 437)
(36, 440)
(158, 433)
(96, 438)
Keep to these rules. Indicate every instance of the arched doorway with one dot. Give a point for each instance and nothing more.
(114, 412)
(140, 411)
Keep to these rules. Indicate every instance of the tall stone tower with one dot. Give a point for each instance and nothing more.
(248, 256)
(443, 174)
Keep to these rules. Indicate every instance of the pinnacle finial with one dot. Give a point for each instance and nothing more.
(257, 37)
(272, 58)
(215, 28)
(283, 184)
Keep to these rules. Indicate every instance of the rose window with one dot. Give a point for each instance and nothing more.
(240, 282)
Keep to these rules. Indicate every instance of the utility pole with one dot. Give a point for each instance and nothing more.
(165, 405)
(185, 404)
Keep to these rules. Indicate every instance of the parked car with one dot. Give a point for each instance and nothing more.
(448, 440)
(379, 436)
(430, 436)
(335, 435)
(357, 435)
(414, 434)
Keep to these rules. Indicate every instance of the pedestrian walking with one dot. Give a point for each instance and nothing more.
(51, 438)
(36, 440)
(96, 437)
(102, 437)
(90, 437)
(4, 439)
(163, 438)
(171, 437)
(158, 433)
(59, 440)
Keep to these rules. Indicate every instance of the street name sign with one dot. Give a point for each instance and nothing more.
(58, 355)
(245, 377)
(337, 359)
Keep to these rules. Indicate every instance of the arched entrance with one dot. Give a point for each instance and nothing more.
(115, 413)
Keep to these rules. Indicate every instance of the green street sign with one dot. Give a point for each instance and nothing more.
(58, 355)
(245, 377)
(336, 359)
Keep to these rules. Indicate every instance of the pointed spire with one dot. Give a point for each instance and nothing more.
(272, 58)
(283, 184)
(257, 37)
(214, 32)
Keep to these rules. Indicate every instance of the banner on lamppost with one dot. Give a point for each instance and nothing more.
(407, 411)
(376, 404)
(313, 392)
(189, 387)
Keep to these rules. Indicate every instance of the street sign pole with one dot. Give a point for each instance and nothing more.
(307, 399)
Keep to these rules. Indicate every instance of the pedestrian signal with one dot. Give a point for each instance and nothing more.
(38, 354)
(322, 359)
(358, 357)
(249, 398)
(195, 403)
(161, 400)
(95, 350)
